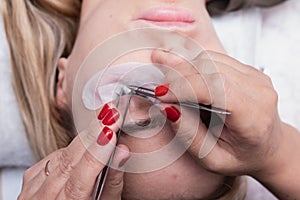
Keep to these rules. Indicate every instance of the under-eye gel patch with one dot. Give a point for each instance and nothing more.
(107, 84)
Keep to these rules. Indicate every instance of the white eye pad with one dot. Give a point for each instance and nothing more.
(104, 86)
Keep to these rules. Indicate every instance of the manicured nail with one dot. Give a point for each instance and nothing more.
(111, 117)
(161, 90)
(122, 163)
(105, 136)
(171, 113)
(104, 111)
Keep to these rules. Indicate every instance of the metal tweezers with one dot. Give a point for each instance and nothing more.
(145, 92)
(103, 175)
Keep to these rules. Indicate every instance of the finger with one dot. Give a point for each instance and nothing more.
(218, 89)
(205, 62)
(34, 184)
(192, 88)
(220, 158)
(83, 178)
(62, 163)
(60, 166)
(93, 161)
(230, 90)
(216, 57)
(88, 136)
(110, 117)
(114, 183)
(187, 125)
(72, 170)
(78, 146)
(209, 62)
(172, 65)
(73, 152)
(197, 82)
(33, 179)
(38, 169)
(55, 158)
(166, 58)
(201, 142)
(74, 181)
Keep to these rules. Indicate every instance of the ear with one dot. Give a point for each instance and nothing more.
(61, 82)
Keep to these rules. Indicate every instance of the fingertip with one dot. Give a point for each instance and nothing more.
(165, 57)
(109, 114)
(109, 119)
(122, 155)
(157, 55)
(161, 90)
(105, 136)
(171, 113)
(124, 148)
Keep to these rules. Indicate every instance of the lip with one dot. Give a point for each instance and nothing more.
(168, 17)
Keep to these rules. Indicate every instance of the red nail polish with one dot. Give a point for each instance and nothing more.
(104, 111)
(172, 113)
(161, 90)
(111, 117)
(105, 136)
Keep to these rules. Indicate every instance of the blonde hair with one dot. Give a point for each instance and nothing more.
(39, 32)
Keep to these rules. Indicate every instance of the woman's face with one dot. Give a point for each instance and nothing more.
(184, 178)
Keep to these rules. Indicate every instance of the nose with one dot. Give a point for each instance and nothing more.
(138, 110)
(143, 116)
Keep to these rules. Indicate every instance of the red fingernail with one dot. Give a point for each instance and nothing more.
(104, 111)
(172, 113)
(111, 117)
(105, 136)
(161, 90)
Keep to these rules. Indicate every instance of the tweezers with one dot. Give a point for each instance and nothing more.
(146, 92)
(103, 175)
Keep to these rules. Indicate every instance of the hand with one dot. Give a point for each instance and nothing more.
(74, 169)
(252, 134)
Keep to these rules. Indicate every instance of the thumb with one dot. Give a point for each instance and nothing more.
(165, 58)
(114, 183)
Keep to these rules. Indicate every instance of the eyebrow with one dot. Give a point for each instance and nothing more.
(145, 124)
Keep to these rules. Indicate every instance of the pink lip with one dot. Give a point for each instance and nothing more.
(168, 17)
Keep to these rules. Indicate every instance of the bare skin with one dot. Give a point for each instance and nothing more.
(264, 148)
